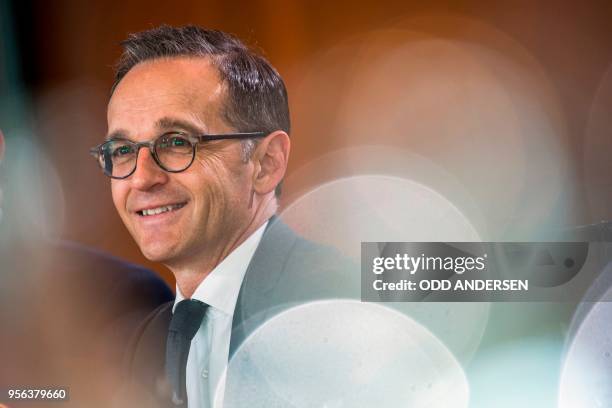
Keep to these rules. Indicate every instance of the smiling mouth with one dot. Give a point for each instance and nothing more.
(160, 210)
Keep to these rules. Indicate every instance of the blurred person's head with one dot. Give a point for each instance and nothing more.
(172, 86)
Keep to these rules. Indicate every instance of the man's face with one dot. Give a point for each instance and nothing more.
(209, 200)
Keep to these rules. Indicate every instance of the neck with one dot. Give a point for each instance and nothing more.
(190, 274)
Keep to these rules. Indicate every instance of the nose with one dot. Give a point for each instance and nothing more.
(147, 174)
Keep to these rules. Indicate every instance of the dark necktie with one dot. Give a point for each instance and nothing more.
(185, 323)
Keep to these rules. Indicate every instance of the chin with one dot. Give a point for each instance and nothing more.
(156, 252)
(154, 256)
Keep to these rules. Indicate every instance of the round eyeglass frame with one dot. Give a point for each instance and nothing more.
(98, 150)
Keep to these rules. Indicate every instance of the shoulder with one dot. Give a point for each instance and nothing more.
(149, 339)
(288, 270)
(296, 269)
(143, 364)
(279, 239)
(315, 271)
(109, 276)
(114, 295)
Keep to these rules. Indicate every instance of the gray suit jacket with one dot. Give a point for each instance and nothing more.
(285, 270)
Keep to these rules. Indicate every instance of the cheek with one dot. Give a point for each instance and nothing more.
(224, 180)
(212, 173)
(207, 188)
(118, 192)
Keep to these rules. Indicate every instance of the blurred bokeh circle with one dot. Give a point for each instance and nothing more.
(342, 353)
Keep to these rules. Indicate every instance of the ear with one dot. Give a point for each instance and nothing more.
(270, 159)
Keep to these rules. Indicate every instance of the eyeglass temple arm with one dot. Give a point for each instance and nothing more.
(95, 151)
(247, 135)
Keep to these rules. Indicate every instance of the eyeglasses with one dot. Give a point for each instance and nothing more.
(173, 152)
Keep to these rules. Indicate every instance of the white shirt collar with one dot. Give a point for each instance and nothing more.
(221, 287)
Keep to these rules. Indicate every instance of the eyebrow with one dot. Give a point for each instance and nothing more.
(167, 123)
(117, 134)
(163, 124)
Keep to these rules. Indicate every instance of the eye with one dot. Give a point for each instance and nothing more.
(177, 141)
(173, 143)
(122, 150)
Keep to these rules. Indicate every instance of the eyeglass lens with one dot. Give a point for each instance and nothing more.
(173, 152)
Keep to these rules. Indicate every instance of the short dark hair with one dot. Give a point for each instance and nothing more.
(256, 97)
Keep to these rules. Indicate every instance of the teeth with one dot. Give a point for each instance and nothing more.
(159, 210)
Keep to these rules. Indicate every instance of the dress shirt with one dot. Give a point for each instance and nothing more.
(209, 351)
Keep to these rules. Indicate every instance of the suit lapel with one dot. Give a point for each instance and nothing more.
(262, 275)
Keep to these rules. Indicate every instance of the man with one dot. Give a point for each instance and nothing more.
(197, 148)
(66, 311)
